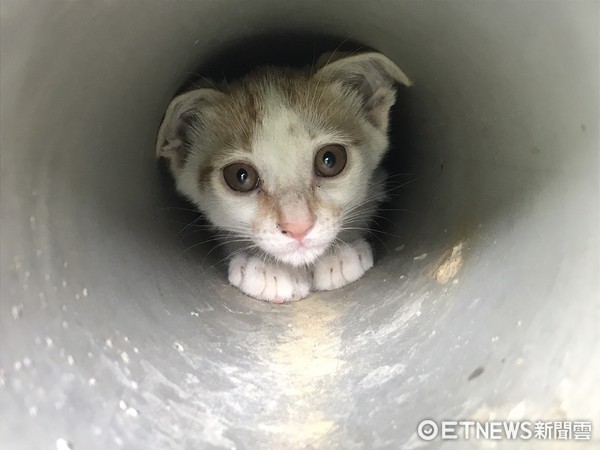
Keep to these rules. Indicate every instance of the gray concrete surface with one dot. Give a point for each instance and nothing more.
(114, 336)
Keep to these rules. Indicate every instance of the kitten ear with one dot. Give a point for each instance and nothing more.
(330, 57)
(183, 115)
(371, 75)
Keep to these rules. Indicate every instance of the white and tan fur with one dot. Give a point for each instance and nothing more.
(276, 119)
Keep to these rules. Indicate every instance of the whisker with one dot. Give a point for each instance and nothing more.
(204, 242)
(221, 244)
(316, 89)
(210, 82)
(230, 256)
(371, 234)
(180, 209)
(193, 222)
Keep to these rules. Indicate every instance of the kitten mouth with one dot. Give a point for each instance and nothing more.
(299, 255)
(294, 252)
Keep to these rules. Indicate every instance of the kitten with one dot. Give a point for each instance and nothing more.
(286, 161)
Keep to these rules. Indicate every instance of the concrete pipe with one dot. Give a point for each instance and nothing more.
(484, 300)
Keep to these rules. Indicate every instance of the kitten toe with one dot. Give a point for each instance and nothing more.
(266, 282)
(236, 269)
(277, 288)
(288, 284)
(365, 254)
(342, 266)
(301, 285)
(256, 280)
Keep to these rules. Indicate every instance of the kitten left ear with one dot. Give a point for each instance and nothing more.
(371, 75)
(183, 116)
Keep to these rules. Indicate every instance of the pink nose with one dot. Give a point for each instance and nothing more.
(296, 230)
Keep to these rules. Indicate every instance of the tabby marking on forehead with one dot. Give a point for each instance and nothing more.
(204, 176)
(239, 116)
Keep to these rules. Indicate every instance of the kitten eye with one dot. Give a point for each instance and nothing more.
(330, 160)
(241, 177)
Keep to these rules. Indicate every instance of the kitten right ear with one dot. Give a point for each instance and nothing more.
(183, 115)
(371, 75)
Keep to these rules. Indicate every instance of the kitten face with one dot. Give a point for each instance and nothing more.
(283, 160)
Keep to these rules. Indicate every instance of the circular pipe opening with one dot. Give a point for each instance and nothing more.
(484, 308)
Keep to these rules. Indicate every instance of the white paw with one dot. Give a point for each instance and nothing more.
(268, 282)
(342, 266)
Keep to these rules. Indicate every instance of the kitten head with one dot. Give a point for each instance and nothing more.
(283, 159)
